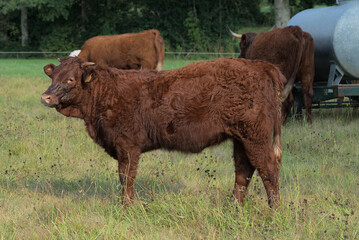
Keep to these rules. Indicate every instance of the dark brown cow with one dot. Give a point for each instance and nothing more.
(188, 109)
(292, 51)
(143, 50)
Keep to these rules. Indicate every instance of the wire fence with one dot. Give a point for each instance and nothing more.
(37, 54)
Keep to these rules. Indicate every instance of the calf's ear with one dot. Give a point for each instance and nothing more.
(49, 68)
(87, 77)
(88, 73)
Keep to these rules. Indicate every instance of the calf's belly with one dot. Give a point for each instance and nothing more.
(192, 138)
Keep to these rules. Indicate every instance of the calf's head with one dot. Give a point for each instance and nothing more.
(69, 83)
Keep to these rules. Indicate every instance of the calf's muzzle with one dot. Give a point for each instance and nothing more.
(49, 100)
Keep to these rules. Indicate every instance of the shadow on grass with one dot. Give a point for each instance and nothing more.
(87, 187)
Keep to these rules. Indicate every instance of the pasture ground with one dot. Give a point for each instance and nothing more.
(55, 183)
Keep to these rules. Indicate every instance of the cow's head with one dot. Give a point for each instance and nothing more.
(69, 83)
(246, 40)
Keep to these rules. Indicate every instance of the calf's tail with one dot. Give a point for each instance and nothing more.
(298, 34)
(277, 146)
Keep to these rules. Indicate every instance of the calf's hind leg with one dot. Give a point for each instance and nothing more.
(243, 171)
(268, 169)
(261, 156)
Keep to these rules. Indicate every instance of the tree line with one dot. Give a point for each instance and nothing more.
(192, 25)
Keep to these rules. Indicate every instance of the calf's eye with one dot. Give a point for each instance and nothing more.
(70, 80)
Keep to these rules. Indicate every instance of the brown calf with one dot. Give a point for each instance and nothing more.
(187, 109)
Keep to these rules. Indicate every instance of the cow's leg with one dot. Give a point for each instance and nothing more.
(243, 171)
(306, 76)
(286, 107)
(307, 90)
(262, 157)
(127, 169)
(148, 65)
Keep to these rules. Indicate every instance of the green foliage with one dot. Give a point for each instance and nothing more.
(300, 5)
(193, 33)
(7, 6)
(297, 6)
(9, 30)
(185, 25)
(60, 39)
(50, 10)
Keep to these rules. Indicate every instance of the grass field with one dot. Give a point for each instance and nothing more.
(55, 183)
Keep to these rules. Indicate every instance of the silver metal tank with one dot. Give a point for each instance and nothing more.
(335, 31)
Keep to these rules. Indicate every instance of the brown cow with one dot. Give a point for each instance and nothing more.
(143, 50)
(187, 109)
(292, 51)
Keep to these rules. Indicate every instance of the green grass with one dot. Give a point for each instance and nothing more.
(55, 183)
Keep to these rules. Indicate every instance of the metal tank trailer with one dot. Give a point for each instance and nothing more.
(335, 31)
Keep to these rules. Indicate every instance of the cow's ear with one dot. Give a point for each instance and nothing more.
(49, 68)
(244, 39)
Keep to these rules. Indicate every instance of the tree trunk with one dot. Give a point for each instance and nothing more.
(281, 12)
(84, 18)
(3, 28)
(24, 29)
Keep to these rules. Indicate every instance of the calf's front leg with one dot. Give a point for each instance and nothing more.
(127, 169)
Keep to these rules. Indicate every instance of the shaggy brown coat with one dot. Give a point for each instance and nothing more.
(143, 50)
(292, 51)
(187, 109)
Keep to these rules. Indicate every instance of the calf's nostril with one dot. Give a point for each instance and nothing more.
(46, 98)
